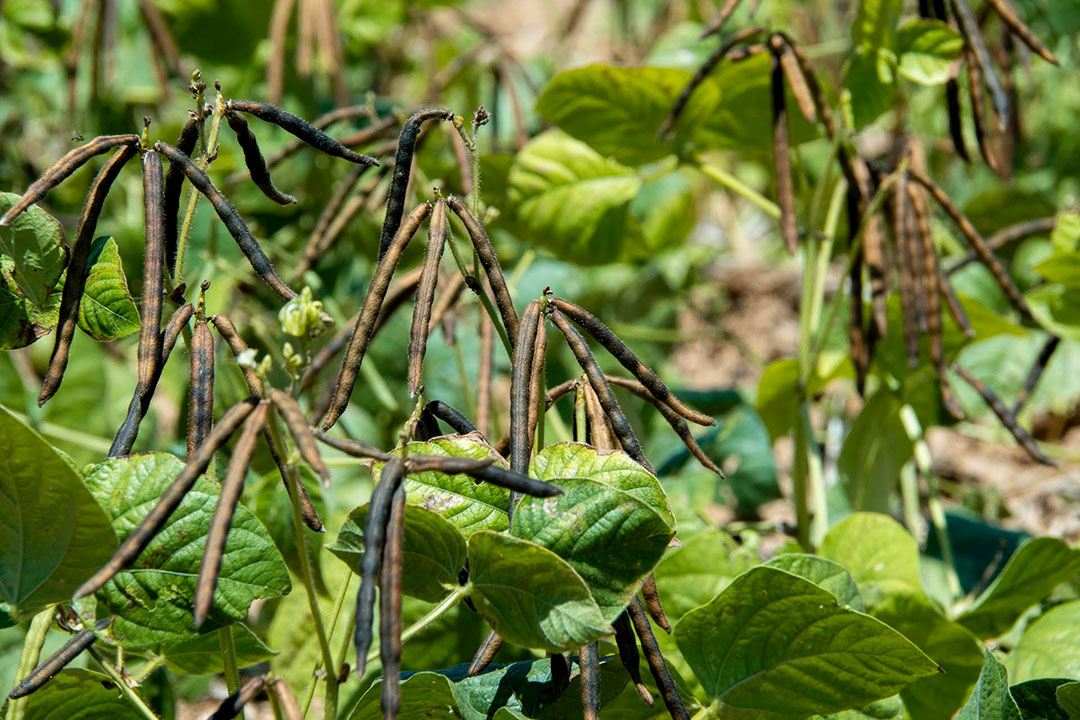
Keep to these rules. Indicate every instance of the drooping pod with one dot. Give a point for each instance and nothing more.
(174, 181)
(520, 399)
(149, 352)
(1036, 371)
(371, 562)
(619, 424)
(356, 448)
(253, 158)
(1021, 30)
(286, 700)
(361, 137)
(140, 537)
(628, 655)
(626, 357)
(452, 417)
(484, 654)
(62, 169)
(1022, 437)
(785, 193)
(906, 272)
(75, 282)
(589, 662)
(59, 660)
(236, 226)
(390, 605)
(653, 606)
(231, 706)
(201, 386)
(491, 266)
(664, 682)
(399, 183)
(369, 313)
(796, 80)
(978, 112)
(537, 380)
(301, 432)
(425, 295)
(231, 489)
(969, 28)
(1007, 236)
(600, 435)
(956, 126)
(300, 128)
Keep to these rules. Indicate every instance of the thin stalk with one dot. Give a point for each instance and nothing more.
(800, 473)
(558, 426)
(819, 525)
(335, 613)
(925, 465)
(909, 499)
(31, 653)
(130, 695)
(203, 163)
(307, 576)
(228, 659)
(446, 605)
(377, 383)
(738, 187)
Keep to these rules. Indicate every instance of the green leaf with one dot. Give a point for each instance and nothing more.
(152, 600)
(1057, 309)
(875, 24)
(434, 551)
(665, 209)
(1066, 233)
(1068, 697)
(1061, 267)
(423, 695)
(610, 537)
(611, 467)
(824, 573)
(79, 695)
(201, 655)
(991, 699)
(457, 498)
(35, 242)
(530, 595)
(618, 110)
(869, 87)
(1049, 647)
(1037, 567)
(878, 552)
(572, 200)
(955, 649)
(775, 642)
(107, 311)
(876, 447)
(690, 576)
(1037, 699)
(53, 535)
(927, 49)
(22, 322)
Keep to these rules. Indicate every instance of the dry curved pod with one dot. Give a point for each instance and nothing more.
(978, 112)
(369, 313)
(653, 606)
(390, 605)
(59, 660)
(290, 709)
(785, 193)
(62, 168)
(301, 129)
(797, 82)
(969, 28)
(956, 127)
(425, 296)
(484, 654)
(1021, 30)
(520, 399)
(236, 226)
(1023, 439)
(655, 659)
(589, 662)
(232, 486)
(77, 270)
(626, 357)
(537, 396)
(626, 643)
(201, 385)
(301, 432)
(253, 158)
(232, 705)
(140, 537)
(449, 415)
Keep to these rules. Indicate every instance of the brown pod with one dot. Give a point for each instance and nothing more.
(290, 709)
(490, 263)
(355, 448)
(600, 434)
(363, 136)
(796, 81)
(785, 193)
(300, 128)
(236, 344)
(969, 28)
(537, 378)
(301, 432)
(149, 352)
(201, 387)
(589, 662)
(564, 388)
(1008, 14)
(956, 126)
(619, 424)
(369, 313)
(978, 112)
(425, 296)
(1007, 236)
(720, 19)
(484, 373)
(1036, 371)
(234, 704)
(253, 158)
(626, 642)
(1023, 439)
(860, 352)
(140, 537)
(664, 682)
(873, 248)
(56, 662)
(651, 596)
(986, 255)
(626, 357)
(236, 226)
(484, 654)
(722, 52)
(77, 270)
(520, 400)
(905, 270)
(308, 513)
(231, 489)
(820, 105)
(63, 168)
(174, 181)
(390, 606)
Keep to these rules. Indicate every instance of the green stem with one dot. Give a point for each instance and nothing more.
(558, 425)
(203, 163)
(31, 652)
(335, 613)
(581, 422)
(446, 605)
(463, 378)
(228, 659)
(909, 499)
(130, 695)
(308, 577)
(800, 473)
(740, 188)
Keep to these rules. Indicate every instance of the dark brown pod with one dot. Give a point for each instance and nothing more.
(425, 296)
(300, 128)
(201, 386)
(253, 158)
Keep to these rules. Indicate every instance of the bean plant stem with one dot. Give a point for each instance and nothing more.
(193, 198)
(31, 652)
(228, 660)
(335, 613)
(130, 695)
(738, 187)
(307, 577)
(446, 605)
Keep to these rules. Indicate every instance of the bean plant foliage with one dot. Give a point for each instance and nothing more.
(238, 478)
